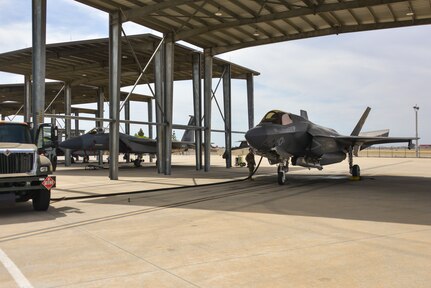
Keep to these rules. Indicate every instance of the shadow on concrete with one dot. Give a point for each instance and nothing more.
(150, 171)
(380, 198)
(23, 213)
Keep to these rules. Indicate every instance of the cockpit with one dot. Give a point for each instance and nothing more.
(277, 117)
(97, 130)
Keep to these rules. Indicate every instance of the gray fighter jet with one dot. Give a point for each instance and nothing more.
(282, 136)
(98, 140)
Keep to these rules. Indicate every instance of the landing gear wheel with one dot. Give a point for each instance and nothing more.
(86, 159)
(281, 177)
(137, 162)
(281, 174)
(356, 171)
(41, 200)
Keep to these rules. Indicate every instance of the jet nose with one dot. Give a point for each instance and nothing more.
(73, 143)
(256, 137)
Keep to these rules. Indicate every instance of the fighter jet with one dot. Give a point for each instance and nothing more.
(98, 140)
(282, 136)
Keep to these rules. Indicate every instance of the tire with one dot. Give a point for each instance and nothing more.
(41, 200)
(137, 163)
(356, 171)
(281, 177)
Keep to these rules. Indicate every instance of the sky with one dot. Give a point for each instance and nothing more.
(333, 77)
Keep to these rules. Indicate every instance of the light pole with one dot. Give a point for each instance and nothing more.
(416, 108)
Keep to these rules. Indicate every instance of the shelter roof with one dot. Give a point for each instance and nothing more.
(87, 62)
(228, 25)
(12, 97)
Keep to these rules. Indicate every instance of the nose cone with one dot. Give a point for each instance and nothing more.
(256, 137)
(73, 143)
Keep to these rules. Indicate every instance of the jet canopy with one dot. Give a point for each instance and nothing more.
(277, 117)
(97, 130)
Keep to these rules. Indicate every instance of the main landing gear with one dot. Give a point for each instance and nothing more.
(281, 172)
(138, 160)
(354, 169)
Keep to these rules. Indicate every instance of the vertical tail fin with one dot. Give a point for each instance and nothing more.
(189, 134)
(304, 114)
(361, 122)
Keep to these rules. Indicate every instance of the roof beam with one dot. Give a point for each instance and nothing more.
(136, 13)
(283, 15)
(323, 32)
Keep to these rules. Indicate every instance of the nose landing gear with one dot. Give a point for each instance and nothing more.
(281, 172)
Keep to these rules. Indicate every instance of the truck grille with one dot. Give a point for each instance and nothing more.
(16, 163)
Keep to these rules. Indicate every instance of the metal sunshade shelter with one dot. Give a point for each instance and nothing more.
(84, 65)
(87, 62)
(223, 26)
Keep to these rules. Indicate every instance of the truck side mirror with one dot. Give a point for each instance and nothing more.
(46, 137)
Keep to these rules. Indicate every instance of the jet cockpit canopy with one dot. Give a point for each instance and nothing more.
(97, 130)
(277, 117)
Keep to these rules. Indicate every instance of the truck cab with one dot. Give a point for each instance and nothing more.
(25, 173)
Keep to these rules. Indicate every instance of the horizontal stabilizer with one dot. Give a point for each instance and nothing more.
(378, 133)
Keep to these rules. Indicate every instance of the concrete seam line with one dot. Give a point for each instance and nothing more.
(14, 271)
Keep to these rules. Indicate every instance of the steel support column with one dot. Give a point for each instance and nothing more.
(53, 119)
(168, 100)
(227, 93)
(67, 122)
(76, 124)
(197, 104)
(150, 118)
(27, 98)
(127, 125)
(39, 60)
(208, 65)
(100, 110)
(150, 127)
(158, 90)
(250, 100)
(127, 117)
(114, 91)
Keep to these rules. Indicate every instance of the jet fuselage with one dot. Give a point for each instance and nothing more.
(280, 140)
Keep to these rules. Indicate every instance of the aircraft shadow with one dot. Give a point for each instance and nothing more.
(392, 199)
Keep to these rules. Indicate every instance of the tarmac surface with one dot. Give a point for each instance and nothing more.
(321, 229)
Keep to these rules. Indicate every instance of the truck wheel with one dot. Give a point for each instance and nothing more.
(41, 200)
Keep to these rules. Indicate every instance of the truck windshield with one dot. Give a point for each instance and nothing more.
(14, 133)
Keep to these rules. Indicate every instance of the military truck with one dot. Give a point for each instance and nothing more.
(24, 170)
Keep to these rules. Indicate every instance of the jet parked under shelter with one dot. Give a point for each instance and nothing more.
(282, 137)
(98, 140)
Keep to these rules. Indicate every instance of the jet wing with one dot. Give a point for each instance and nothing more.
(137, 145)
(182, 145)
(150, 145)
(364, 142)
